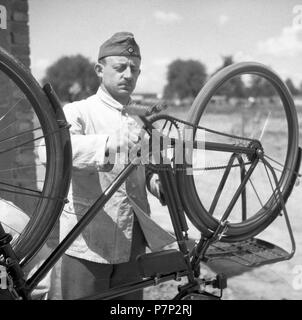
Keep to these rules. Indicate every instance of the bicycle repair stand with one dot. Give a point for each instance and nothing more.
(249, 253)
(12, 283)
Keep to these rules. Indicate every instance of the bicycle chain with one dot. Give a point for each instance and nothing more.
(175, 122)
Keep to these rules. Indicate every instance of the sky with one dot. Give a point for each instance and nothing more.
(267, 31)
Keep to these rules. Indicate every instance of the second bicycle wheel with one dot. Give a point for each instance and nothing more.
(34, 170)
(264, 112)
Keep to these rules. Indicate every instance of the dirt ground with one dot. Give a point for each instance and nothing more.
(282, 280)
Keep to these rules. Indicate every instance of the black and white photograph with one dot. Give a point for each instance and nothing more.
(150, 150)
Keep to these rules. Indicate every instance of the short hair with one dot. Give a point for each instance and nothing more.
(102, 61)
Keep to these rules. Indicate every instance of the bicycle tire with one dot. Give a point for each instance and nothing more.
(57, 173)
(194, 208)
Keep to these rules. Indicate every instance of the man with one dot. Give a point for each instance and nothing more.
(103, 256)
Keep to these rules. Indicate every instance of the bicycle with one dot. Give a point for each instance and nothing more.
(221, 237)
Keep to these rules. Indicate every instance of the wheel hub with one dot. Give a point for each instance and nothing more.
(258, 150)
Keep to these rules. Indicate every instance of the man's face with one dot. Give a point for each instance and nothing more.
(119, 75)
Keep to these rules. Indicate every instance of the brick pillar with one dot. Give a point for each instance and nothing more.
(15, 39)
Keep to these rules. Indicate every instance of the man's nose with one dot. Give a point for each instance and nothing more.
(128, 73)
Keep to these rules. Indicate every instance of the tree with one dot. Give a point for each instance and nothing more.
(294, 91)
(260, 87)
(185, 79)
(72, 77)
(234, 87)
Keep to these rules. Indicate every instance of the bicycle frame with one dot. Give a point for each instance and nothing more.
(173, 203)
(177, 217)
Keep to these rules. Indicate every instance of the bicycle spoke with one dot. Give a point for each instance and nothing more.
(18, 187)
(21, 180)
(13, 107)
(15, 208)
(257, 195)
(239, 190)
(269, 178)
(279, 170)
(23, 167)
(171, 124)
(29, 125)
(11, 204)
(265, 125)
(281, 165)
(277, 162)
(32, 195)
(20, 134)
(27, 142)
(164, 126)
(34, 147)
(248, 128)
(10, 227)
(8, 126)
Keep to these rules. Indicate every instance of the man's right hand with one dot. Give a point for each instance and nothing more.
(122, 141)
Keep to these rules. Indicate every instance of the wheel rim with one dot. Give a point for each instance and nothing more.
(197, 212)
(40, 195)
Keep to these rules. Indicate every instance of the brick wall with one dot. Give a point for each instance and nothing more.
(15, 39)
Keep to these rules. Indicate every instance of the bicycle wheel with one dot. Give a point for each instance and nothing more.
(29, 130)
(271, 120)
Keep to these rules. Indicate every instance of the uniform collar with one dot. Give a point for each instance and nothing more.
(109, 101)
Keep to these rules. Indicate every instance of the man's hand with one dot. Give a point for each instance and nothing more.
(123, 140)
(118, 142)
(155, 187)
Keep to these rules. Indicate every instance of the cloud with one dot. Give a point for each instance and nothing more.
(223, 19)
(153, 75)
(39, 67)
(167, 17)
(161, 62)
(241, 56)
(287, 44)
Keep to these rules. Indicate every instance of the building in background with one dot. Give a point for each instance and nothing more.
(14, 38)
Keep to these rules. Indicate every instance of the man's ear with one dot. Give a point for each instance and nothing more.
(98, 68)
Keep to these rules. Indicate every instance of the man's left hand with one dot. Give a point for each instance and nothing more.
(155, 187)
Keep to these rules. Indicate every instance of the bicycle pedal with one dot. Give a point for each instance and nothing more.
(220, 282)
